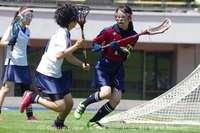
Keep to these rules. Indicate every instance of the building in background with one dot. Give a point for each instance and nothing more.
(156, 64)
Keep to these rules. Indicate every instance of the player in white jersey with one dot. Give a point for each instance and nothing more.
(18, 71)
(49, 64)
(49, 77)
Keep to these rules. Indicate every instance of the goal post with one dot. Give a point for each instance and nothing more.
(179, 105)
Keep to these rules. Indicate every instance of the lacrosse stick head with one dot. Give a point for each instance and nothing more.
(165, 25)
(82, 13)
(15, 24)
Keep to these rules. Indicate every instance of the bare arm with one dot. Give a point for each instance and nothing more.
(68, 52)
(4, 43)
(73, 60)
(6, 37)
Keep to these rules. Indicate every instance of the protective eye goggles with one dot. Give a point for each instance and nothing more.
(28, 15)
(121, 15)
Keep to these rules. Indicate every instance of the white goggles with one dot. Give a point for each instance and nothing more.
(121, 15)
(28, 15)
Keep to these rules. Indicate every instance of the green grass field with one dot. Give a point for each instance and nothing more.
(15, 122)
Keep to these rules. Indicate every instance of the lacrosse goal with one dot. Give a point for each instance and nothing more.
(179, 105)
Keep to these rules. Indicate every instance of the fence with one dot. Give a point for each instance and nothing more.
(140, 5)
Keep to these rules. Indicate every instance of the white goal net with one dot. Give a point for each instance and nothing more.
(179, 105)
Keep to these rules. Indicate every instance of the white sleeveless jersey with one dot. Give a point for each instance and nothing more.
(19, 54)
(49, 64)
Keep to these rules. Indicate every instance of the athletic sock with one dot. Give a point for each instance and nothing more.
(95, 97)
(103, 111)
(34, 98)
(59, 122)
(29, 112)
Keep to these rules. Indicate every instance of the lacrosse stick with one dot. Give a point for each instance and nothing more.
(82, 13)
(165, 25)
(15, 24)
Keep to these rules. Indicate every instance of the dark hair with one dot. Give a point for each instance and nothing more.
(64, 14)
(124, 9)
(128, 10)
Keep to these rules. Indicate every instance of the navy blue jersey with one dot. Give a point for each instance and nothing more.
(113, 33)
(109, 69)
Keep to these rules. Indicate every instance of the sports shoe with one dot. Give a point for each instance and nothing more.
(63, 127)
(79, 111)
(25, 101)
(32, 118)
(1, 118)
(95, 125)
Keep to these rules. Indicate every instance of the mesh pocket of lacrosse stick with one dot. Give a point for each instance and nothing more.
(15, 24)
(165, 25)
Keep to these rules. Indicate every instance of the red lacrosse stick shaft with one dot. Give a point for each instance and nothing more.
(126, 38)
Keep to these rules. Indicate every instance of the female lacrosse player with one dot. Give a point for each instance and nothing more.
(18, 71)
(109, 70)
(49, 77)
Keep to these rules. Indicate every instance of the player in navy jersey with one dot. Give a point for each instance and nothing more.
(18, 71)
(109, 69)
(49, 77)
